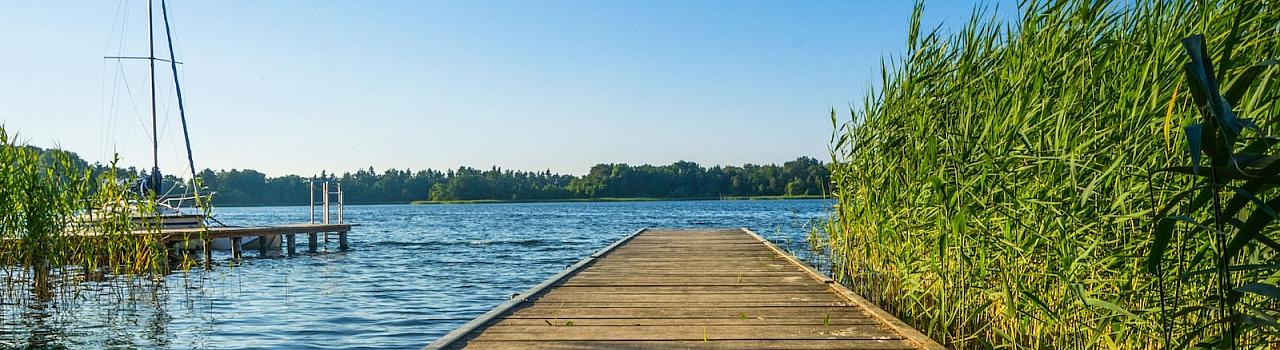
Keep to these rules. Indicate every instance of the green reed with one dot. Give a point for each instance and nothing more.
(996, 187)
(61, 224)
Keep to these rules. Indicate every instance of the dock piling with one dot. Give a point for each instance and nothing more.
(342, 241)
(311, 242)
(264, 242)
(236, 250)
(269, 236)
(291, 243)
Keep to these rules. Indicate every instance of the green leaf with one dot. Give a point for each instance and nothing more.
(1237, 88)
(1194, 139)
(1163, 235)
(1095, 302)
(1040, 304)
(1253, 226)
(1262, 289)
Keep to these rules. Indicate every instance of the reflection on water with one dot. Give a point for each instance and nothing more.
(414, 273)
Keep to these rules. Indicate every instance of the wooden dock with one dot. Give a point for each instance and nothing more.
(175, 237)
(687, 289)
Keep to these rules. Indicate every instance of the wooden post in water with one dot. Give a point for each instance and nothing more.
(342, 241)
(291, 241)
(262, 245)
(235, 248)
(311, 242)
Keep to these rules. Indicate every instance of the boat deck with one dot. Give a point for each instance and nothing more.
(677, 289)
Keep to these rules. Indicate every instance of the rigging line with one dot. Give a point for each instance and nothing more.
(115, 100)
(122, 15)
(121, 76)
(178, 88)
(136, 112)
(103, 130)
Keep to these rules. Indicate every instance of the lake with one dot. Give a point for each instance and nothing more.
(414, 272)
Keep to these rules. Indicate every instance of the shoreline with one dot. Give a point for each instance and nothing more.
(617, 199)
(558, 200)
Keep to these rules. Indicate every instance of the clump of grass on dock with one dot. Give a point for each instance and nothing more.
(61, 223)
(995, 190)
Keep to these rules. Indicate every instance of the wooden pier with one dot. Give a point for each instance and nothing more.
(176, 237)
(687, 289)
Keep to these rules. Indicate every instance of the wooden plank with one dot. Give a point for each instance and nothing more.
(627, 322)
(908, 332)
(559, 296)
(687, 280)
(555, 310)
(695, 344)
(689, 332)
(754, 271)
(674, 289)
(695, 289)
(671, 303)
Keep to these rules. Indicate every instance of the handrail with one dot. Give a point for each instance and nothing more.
(324, 202)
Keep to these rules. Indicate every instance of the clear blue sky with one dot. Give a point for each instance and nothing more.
(303, 86)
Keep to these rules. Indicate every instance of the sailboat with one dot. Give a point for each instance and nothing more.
(169, 211)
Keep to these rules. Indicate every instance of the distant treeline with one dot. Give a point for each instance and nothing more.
(803, 176)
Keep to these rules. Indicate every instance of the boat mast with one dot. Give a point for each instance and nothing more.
(182, 111)
(155, 138)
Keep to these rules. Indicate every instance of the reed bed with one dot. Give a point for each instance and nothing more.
(997, 186)
(62, 224)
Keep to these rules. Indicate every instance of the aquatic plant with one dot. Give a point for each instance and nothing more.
(995, 188)
(62, 223)
(1227, 214)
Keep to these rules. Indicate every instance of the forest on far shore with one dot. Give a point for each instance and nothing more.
(803, 176)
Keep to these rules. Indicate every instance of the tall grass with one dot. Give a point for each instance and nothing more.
(61, 224)
(996, 187)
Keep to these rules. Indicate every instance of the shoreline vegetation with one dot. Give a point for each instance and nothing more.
(1000, 186)
(802, 177)
(62, 223)
(623, 199)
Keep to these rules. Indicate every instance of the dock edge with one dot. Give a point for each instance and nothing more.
(908, 332)
(466, 329)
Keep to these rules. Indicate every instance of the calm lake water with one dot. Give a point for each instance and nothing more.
(414, 273)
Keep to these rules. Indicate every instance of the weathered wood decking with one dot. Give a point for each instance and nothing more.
(664, 289)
